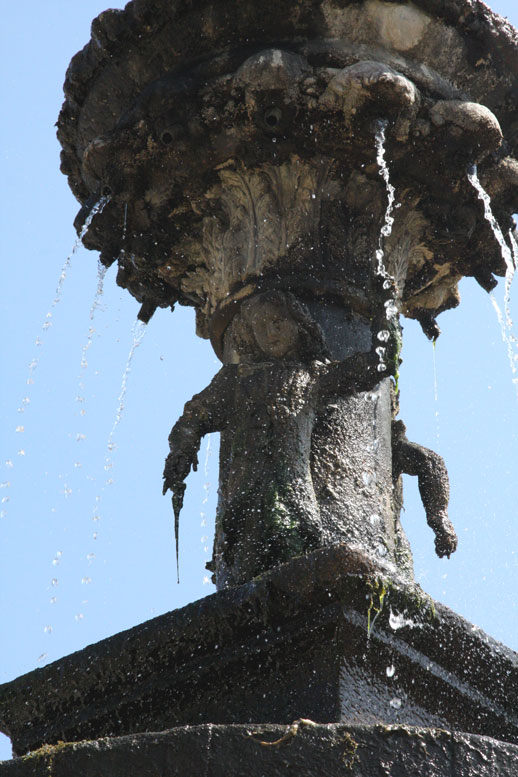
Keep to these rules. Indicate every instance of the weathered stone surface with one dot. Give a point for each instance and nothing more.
(329, 637)
(184, 143)
(305, 749)
(239, 148)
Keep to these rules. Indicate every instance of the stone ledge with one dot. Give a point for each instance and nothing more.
(309, 750)
(328, 636)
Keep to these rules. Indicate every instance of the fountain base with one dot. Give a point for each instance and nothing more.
(329, 637)
(307, 750)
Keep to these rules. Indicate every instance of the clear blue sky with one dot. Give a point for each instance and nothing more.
(47, 530)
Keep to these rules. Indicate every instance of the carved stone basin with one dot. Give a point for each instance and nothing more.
(240, 146)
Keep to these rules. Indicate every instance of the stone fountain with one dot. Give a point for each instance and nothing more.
(298, 173)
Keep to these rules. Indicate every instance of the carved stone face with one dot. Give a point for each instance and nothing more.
(276, 332)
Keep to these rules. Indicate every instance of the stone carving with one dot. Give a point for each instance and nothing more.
(262, 214)
(266, 407)
(434, 487)
(244, 181)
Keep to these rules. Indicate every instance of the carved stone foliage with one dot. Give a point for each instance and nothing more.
(268, 166)
(261, 215)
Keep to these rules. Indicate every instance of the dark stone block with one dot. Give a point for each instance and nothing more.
(305, 749)
(329, 637)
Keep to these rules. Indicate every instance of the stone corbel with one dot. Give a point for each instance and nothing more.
(471, 128)
(373, 90)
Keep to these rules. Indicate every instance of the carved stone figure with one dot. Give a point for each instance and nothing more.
(266, 407)
(243, 178)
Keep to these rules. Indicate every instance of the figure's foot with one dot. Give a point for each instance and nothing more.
(445, 539)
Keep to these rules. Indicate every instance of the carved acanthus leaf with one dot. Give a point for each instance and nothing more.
(264, 212)
(406, 250)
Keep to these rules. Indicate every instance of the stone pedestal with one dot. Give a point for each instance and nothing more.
(329, 637)
(306, 750)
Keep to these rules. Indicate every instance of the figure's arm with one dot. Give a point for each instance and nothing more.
(205, 412)
(434, 485)
(363, 371)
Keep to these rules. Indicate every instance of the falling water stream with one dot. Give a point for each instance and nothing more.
(96, 209)
(20, 428)
(436, 391)
(101, 274)
(509, 256)
(206, 490)
(138, 332)
(391, 310)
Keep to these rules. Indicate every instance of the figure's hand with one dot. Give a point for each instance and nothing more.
(445, 539)
(177, 467)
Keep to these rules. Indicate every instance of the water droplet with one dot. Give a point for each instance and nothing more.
(79, 616)
(390, 670)
(54, 582)
(53, 599)
(9, 463)
(396, 703)
(37, 341)
(42, 657)
(206, 580)
(21, 452)
(47, 629)
(90, 556)
(20, 429)
(30, 381)
(398, 620)
(77, 464)
(80, 437)
(95, 535)
(86, 580)
(4, 500)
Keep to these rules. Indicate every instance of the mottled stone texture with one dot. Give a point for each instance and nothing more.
(305, 749)
(328, 637)
(240, 147)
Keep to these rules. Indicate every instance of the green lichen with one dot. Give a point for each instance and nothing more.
(48, 751)
(351, 746)
(378, 589)
(396, 334)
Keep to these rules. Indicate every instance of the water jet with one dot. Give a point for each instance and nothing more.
(250, 231)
